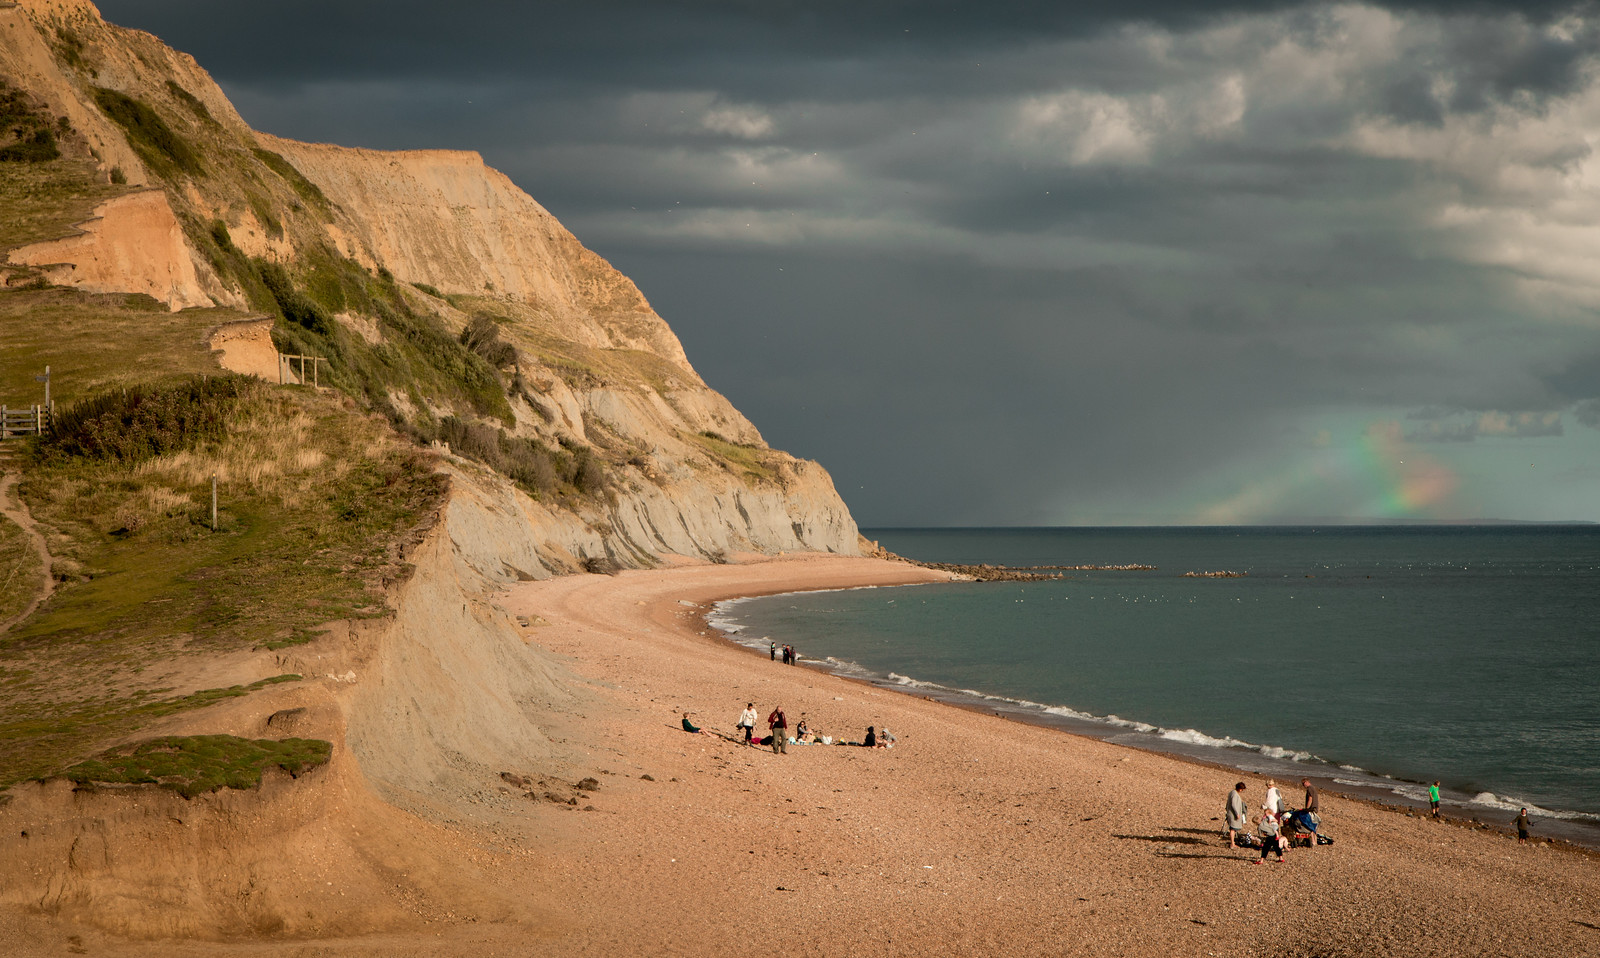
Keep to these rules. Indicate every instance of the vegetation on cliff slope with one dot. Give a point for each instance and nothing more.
(317, 505)
(195, 764)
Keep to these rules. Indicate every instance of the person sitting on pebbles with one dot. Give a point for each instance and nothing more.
(689, 726)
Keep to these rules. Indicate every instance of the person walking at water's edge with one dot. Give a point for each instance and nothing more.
(1433, 798)
(780, 731)
(1237, 815)
(1523, 824)
(747, 721)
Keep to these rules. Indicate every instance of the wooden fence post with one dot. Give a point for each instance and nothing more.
(213, 502)
(3, 432)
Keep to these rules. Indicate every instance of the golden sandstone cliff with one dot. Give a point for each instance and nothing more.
(383, 264)
(596, 368)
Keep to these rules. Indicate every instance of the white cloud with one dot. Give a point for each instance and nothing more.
(741, 122)
(1504, 425)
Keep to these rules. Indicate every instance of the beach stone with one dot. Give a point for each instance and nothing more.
(588, 785)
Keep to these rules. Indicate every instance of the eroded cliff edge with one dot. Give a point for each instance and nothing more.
(380, 263)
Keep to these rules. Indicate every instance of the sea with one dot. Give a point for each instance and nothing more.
(1375, 658)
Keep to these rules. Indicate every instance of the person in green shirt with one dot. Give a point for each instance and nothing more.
(1433, 798)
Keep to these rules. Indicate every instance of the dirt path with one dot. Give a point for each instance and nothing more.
(13, 508)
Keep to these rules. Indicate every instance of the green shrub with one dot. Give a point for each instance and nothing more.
(195, 764)
(264, 216)
(296, 307)
(308, 190)
(33, 137)
(538, 469)
(149, 134)
(191, 101)
(482, 336)
(142, 422)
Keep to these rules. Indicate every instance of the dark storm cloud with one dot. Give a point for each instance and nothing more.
(1016, 262)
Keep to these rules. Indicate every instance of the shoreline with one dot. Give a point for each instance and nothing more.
(975, 835)
(1565, 826)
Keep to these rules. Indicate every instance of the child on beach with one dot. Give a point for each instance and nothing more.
(1433, 798)
(1269, 830)
(1523, 824)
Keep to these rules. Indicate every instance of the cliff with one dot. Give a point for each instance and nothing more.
(379, 262)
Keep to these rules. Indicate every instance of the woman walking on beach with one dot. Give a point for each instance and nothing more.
(747, 721)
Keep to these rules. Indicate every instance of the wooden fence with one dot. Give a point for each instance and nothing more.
(27, 421)
(287, 373)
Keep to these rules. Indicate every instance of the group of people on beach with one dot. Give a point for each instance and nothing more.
(1278, 825)
(790, 656)
(779, 737)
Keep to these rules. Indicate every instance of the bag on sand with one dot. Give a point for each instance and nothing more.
(1324, 840)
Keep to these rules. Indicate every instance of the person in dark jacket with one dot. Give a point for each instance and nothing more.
(780, 731)
(1523, 824)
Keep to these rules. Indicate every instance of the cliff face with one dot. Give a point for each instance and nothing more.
(391, 243)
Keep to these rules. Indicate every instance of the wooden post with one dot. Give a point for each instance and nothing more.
(38, 421)
(213, 502)
(3, 433)
(316, 366)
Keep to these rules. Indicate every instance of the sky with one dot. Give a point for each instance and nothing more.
(990, 264)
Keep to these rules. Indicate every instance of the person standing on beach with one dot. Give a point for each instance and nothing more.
(1309, 811)
(1274, 802)
(1238, 814)
(780, 731)
(747, 721)
(1523, 824)
(1433, 798)
(772, 651)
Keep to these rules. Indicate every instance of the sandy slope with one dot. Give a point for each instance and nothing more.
(975, 836)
